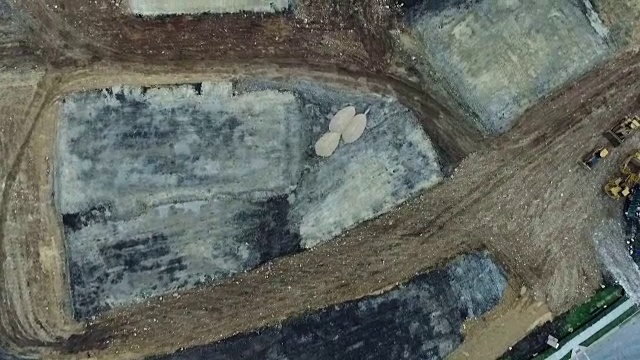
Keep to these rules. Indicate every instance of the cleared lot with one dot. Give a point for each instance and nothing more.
(165, 188)
(502, 56)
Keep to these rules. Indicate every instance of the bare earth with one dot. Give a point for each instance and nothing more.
(522, 196)
(491, 335)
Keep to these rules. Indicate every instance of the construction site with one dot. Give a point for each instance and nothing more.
(328, 179)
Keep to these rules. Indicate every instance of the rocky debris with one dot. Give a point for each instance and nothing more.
(355, 128)
(327, 144)
(346, 124)
(341, 119)
(609, 240)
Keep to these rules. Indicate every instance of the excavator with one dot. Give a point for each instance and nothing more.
(627, 186)
(592, 159)
(618, 134)
(617, 189)
(630, 171)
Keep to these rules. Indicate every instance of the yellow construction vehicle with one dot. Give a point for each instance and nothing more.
(617, 134)
(630, 167)
(594, 157)
(617, 189)
(630, 170)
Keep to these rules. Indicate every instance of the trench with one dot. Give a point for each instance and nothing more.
(168, 188)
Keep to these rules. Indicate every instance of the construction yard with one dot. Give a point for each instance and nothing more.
(161, 198)
(141, 217)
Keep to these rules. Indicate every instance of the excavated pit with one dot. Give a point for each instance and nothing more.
(500, 57)
(75, 33)
(163, 189)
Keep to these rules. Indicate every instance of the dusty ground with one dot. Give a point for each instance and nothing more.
(32, 172)
(321, 31)
(621, 17)
(502, 56)
(521, 196)
(491, 335)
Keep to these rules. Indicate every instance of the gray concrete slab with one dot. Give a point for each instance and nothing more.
(500, 56)
(575, 342)
(166, 188)
(620, 344)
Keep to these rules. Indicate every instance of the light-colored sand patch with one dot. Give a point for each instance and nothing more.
(492, 334)
(168, 7)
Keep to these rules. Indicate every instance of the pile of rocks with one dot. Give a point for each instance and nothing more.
(344, 124)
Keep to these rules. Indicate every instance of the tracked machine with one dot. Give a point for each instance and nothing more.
(616, 136)
(630, 177)
(627, 187)
(619, 133)
(592, 159)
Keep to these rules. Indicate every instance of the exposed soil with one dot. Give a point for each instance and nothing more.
(522, 196)
(495, 332)
(322, 31)
(421, 318)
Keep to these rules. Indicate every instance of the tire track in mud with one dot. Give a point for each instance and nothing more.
(45, 92)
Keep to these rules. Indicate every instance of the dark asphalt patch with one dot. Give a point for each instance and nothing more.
(420, 320)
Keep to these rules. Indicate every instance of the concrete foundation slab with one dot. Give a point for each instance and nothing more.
(500, 56)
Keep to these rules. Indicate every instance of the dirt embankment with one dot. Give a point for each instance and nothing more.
(350, 32)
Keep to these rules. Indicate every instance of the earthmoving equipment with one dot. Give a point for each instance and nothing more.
(630, 167)
(628, 186)
(617, 134)
(594, 157)
(630, 170)
(617, 189)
